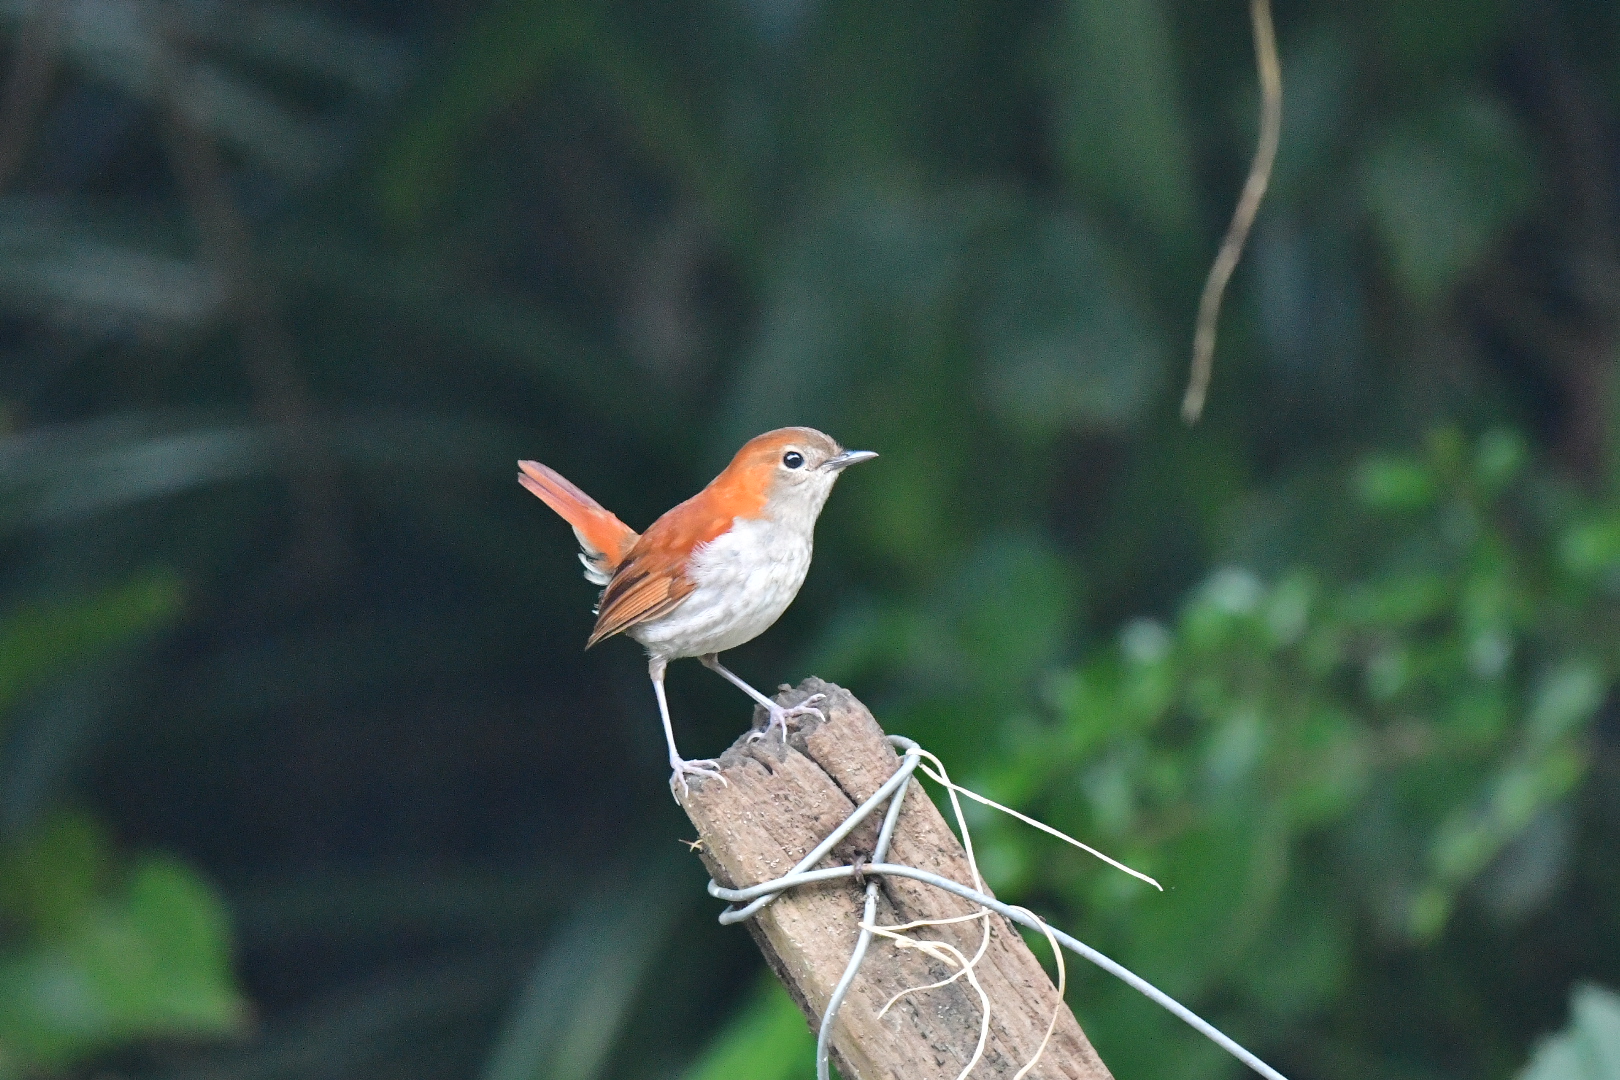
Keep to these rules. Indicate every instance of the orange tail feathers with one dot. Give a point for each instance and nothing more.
(604, 540)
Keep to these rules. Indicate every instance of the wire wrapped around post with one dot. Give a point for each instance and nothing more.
(797, 819)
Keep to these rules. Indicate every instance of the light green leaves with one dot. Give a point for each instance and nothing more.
(1591, 547)
(1589, 1048)
(93, 954)
(1500, 457)
(1392, 483)
(1412, 695)
(112, 956)
(1565, 700)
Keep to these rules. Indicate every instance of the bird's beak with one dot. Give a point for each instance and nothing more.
(840, 462)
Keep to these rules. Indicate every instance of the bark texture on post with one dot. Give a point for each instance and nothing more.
(777, 805)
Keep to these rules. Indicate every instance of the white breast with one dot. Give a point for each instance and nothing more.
(745, 579)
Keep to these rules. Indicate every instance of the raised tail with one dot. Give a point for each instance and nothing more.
(604, 540)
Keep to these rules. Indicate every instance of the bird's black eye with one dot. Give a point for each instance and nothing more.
(793, 459)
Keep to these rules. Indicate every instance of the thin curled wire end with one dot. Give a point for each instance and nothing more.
(942, 779)
(1237, 233)
(1062, 985)
(929, 948)
(951, 956)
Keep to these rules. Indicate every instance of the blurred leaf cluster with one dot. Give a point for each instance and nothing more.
(104, 959)
(94, 953)
(1589, 1048)
(287, 285)
(1340, 751)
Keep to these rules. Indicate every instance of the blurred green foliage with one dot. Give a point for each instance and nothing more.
(38, 641)
(105, 959)
(287, 286)
(1589, 1049)
(1351, 745)
(766, 1040)
(93, 953)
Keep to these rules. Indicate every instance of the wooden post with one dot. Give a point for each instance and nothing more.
(777, 804)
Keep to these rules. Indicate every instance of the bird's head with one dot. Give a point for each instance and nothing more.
(793, 469)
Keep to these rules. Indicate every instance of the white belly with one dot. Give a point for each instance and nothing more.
(745, 579)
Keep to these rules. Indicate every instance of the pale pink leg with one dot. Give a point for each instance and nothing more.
(683, 769)
(779, 714)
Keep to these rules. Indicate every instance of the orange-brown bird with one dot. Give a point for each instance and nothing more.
(715, 571)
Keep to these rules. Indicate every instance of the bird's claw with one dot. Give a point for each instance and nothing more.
(781, 714)
(698, 767)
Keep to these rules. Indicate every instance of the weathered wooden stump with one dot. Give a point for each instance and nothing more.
(777, 804)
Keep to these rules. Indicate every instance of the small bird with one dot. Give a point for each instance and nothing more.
(713, 572)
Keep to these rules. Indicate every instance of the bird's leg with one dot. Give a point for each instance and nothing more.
(779, 714)
(683, 769)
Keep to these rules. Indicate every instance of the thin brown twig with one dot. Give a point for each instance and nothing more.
(1254, 189)
(33, 64)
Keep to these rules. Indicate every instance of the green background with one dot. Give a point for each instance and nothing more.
(303, 772)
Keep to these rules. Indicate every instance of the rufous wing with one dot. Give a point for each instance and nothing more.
(604, 540)
(653, 579)
(636, 594)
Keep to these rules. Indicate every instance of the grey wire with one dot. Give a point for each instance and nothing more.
(879, 853)
(757, 896)
(908, 765)
(1119, 971)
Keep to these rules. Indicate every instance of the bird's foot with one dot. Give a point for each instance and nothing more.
(698, 767)
(781, 714)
